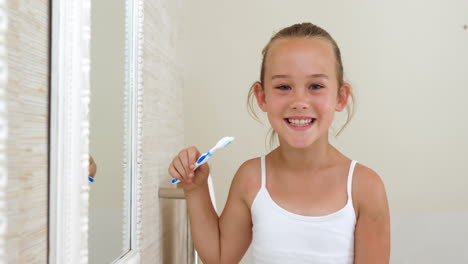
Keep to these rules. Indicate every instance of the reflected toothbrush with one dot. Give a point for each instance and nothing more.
(225, 141)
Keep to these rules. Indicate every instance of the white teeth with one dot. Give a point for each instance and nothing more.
(300, 122)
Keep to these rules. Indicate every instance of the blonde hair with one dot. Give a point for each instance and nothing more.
(305, 30)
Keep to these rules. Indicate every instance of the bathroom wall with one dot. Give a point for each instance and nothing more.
(408, 64)
(27, 147)
(164, 221)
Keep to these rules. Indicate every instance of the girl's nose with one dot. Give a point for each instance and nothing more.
(299, 101)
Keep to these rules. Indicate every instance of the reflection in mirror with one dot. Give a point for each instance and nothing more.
(109, 201)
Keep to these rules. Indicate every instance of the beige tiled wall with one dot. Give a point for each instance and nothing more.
(27, 102)
(163, 227)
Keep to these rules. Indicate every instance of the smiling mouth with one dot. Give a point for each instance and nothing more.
(300, 122)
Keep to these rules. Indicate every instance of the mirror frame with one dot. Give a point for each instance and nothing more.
(69, 131)
(69, 128)
(3, 128)
(134, 90)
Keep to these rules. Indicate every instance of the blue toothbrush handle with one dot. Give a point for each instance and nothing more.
(174, 181)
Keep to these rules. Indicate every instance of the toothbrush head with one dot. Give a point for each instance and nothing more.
(222, 143)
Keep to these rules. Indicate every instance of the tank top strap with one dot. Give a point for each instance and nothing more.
(263, 171)
(350, 178)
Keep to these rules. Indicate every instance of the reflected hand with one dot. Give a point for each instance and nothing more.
(92, 168)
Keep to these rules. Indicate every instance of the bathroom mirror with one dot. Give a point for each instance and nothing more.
(95, 86)
(110, 138)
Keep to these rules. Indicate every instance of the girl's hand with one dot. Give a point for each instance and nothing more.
(92, 167)
(182, 168)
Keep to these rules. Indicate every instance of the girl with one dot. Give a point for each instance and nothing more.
(304, 202)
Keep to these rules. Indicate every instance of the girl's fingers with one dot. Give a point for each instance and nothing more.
(180, 168)
(183, 165)
(174, 173)
(188, 157)
(193, 156)
(184, 161)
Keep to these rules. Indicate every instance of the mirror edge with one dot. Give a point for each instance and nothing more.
(134, 90)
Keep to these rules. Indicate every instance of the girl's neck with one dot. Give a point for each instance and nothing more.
(317, 156)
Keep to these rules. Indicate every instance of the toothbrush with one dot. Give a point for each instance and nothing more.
(204, 158)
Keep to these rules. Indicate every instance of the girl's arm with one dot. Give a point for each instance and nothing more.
(224, 239)
(372, 234)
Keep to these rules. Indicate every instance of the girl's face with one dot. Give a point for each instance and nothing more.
(300, 89)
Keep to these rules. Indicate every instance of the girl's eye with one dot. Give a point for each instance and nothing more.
(316, 86)
(283, 87)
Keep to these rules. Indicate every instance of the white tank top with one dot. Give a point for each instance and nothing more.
(280, 236)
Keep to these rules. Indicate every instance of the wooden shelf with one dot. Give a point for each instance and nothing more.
(171, 193)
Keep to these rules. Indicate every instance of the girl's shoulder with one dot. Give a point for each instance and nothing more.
(368, 186)
(248, 179)
(365, 177)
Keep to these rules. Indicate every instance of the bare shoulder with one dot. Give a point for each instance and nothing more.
(367, 178)
(368, 190)
(372, 234)
(248, 180)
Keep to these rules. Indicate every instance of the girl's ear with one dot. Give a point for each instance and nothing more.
(260, 95)
(343, 95)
